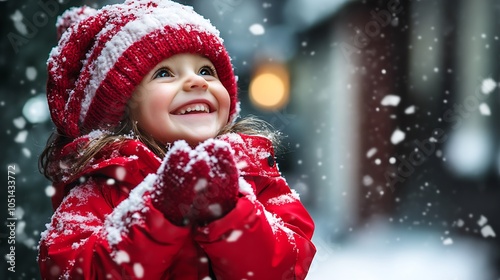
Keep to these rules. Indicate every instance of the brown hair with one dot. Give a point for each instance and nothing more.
(129, 129)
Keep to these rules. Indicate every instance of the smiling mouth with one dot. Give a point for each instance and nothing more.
(196, 108)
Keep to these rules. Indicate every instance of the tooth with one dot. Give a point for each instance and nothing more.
(182, 112)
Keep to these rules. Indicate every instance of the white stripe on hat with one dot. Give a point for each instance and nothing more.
(148, 20)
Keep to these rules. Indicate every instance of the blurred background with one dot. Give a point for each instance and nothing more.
(389, 108)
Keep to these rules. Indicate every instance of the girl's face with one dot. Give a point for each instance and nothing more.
(181, 98)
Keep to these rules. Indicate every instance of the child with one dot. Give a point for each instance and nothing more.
(154, 178)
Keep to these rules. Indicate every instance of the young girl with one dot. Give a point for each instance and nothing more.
(154, 178)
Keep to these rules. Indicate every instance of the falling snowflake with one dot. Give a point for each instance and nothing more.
(397, 136)
(21, 136)
(488, 85)
(31, 73)
(448, 241)
(257, 29)
(234, 236)
(482, 221)
(390, 100)
(367, 180)
(484, 109)
(50, 191)
(410, 110)
(371, 152)
(487, 231)
(19, 123)
(138, 270)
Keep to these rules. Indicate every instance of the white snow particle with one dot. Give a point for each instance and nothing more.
(36, 109)
(138, 270)
(215, 209)
(482, 221)
(26, 152)
(31, 73)
(241, 164)
(50, 191)
(19, 122)
(484, 109)
(17, 19)
(488, 85)
(245, 188)
(460, 223)
(487, 231)
(390, 100)
(234, 236)
(410, 110)
(122, 257)
(282, 199)
(121, 172)
(371, 152)
(367, 180)
(448, 241)
(397, 136)
(21, 136)
(200, 184)
(257, 29)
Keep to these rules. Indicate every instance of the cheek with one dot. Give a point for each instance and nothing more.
(155, 104)
(151, 109)
(223, 98)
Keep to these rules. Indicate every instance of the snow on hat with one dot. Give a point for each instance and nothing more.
(104, 54)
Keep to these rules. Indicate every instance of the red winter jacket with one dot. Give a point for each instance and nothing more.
(105, 226)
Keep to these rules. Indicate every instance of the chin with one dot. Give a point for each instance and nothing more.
(195, 140)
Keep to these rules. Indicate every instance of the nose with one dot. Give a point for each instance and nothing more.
(195, 82)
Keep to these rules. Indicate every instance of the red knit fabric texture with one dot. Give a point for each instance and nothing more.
(197, 186)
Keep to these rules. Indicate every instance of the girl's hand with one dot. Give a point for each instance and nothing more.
(197, 186)
(218, 195)
(176, 184)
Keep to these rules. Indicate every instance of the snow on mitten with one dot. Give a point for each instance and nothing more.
(218, 194)
(177, 183)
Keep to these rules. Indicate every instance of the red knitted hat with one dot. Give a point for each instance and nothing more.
(102, 55)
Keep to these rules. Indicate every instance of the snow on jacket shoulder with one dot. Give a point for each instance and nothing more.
(105, 226)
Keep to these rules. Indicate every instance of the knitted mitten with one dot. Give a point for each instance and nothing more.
(217, 192)
(198, 185)
(177, 183)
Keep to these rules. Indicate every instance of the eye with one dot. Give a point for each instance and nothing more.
(163, 73)
(207, 71)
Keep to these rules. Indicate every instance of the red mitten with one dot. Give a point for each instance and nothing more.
(218, 194)
(176, 183)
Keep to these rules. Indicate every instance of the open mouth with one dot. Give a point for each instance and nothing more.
(194, 108)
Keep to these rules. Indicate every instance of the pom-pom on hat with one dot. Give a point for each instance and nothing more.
(102, 55)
